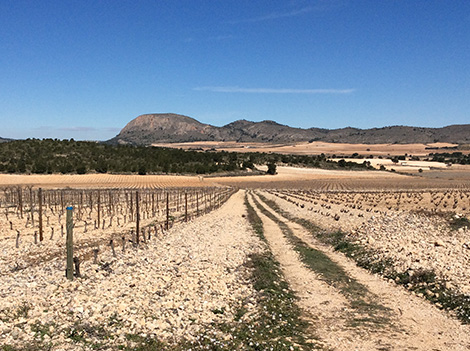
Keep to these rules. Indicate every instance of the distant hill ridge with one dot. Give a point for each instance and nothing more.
(172, 128)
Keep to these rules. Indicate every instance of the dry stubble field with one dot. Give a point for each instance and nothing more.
(197, 285)
(316, 148)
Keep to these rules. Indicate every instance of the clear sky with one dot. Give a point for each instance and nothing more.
(83, 69)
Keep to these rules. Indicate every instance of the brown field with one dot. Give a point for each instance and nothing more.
(406, 177)
(318, 179)
(100, 181)
(316, 148)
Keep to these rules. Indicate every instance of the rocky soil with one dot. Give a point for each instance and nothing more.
(414, 242)
(351, 308)
(411, 240)
(170, 288)
(184, 281)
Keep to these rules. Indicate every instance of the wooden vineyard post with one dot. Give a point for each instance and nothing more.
(41, 235)
(177, 207)
(153, 204)
(197, 204)
(168, 210)
(91, 202)
(185, 207)
(147, 202)
(80, 207)
(31, 205)
(137, 219)
(20, 201)
(62, 200)
(204, 201)
(210, 201)
(69, 244)
(131, 208)
(99, 208)
(110, 204)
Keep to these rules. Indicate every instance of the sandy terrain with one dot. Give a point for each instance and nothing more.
(395, 225)
(284, 174)
(316, 148)
(176, 285)
(320, 179)
(293, 174)
(287, 177)
(409, 166)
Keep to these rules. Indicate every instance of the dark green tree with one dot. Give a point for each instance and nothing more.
(271, 168)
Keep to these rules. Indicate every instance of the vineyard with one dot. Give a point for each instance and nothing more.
(34, 222)
(213, 267)
(400, 231)
(346, 204)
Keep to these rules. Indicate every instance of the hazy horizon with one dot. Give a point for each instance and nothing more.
(345, 127)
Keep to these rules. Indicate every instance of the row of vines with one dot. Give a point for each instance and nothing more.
(33, 221)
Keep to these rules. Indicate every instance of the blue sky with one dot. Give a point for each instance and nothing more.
(83, 69)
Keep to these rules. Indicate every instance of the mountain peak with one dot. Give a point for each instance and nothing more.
(162, 127)
(160, 118)
(155, 128)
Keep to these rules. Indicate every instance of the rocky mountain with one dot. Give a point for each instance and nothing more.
(167, 127)
(171, 128)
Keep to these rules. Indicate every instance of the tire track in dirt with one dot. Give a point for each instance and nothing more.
(421, 326)
(334, 314)
(321, 304)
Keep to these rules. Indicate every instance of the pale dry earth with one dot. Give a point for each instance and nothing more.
(286, 177)
(312, 176)
(322, 305)
(332, 180)
(101, 180)
(412, 240)
(170, 288)
(314, 148)
(411, 166)
(414, 324)
(88, 233)
(164, 181)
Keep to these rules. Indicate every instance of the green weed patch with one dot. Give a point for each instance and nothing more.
(361, 300)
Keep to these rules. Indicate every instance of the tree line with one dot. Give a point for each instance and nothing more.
(47, 156)
(454, 157)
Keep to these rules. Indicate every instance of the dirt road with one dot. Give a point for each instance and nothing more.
(349, 308)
